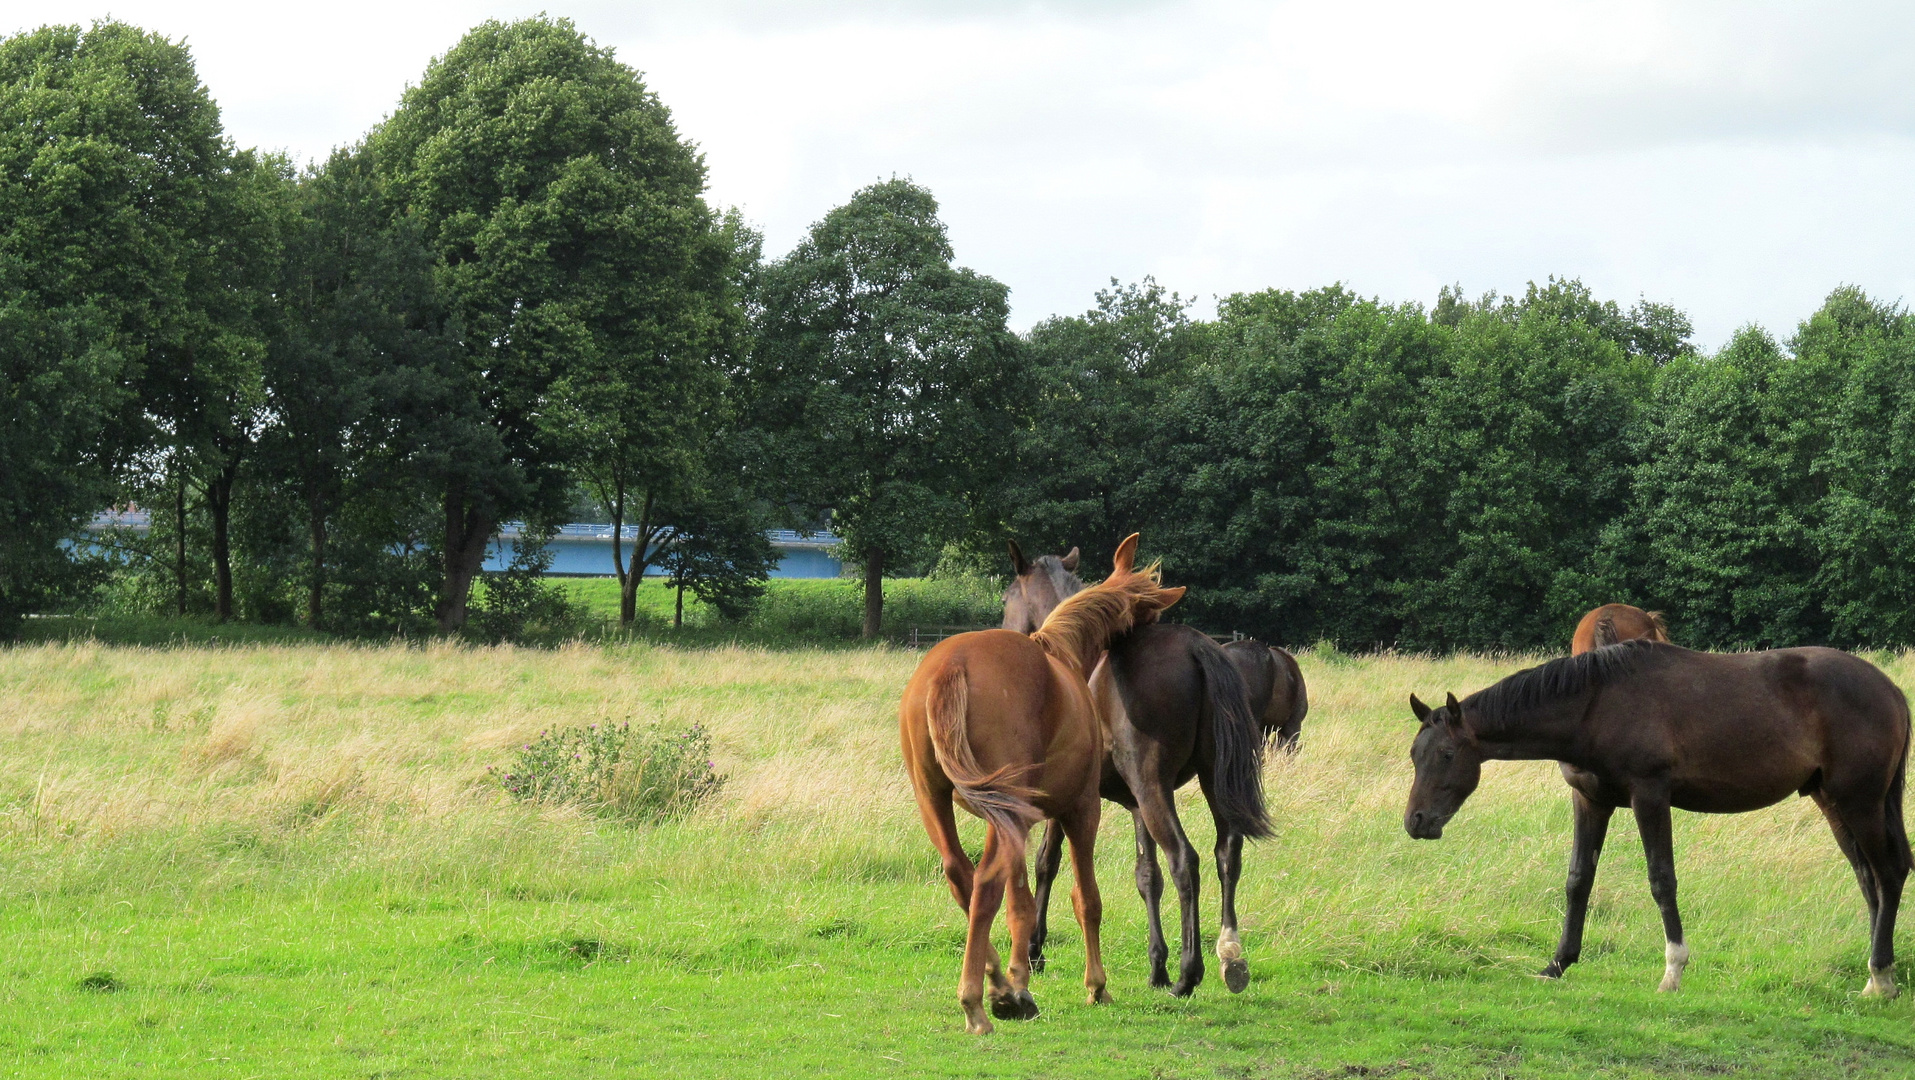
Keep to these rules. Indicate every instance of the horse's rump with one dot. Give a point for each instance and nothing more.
(997, 796)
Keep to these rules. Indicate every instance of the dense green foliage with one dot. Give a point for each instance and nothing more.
(511, 300)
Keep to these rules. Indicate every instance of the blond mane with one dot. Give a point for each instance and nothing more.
(1083, 625)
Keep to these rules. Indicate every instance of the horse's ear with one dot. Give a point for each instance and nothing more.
(1120, 563)
(1456, 709)
(1018, 562)
(1421, 710)
(1069, 562)
(1171, 596)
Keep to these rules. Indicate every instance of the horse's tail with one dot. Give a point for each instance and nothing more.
(1897, 828)
(1237, 773)
(995, 796)
(1605, 633)
(1658, 630)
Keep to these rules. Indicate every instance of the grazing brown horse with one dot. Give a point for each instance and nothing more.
(1004, 723)
(1611, 624)
(1272, 678)
(1652, 726)
(1175, 706)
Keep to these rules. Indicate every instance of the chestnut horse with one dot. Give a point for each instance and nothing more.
(1614, 623)
(1652, 726)
(1175, 706)
(1005, 724)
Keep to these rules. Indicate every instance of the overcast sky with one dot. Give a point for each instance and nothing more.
(1736, 159)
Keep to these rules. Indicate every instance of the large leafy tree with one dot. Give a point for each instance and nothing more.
(887, 372)
(649, 418)
(1095, 388)
(358, 339)
(568, 222)
(111, 161)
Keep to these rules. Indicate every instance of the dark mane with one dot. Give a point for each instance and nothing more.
(1504, 703)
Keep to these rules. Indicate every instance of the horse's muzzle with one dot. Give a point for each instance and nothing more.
(1424, 824)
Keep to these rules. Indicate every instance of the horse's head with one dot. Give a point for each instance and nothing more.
(1448, 765)
(1037, 586)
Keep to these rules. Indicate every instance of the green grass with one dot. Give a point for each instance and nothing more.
(799, 610)
(288, 860)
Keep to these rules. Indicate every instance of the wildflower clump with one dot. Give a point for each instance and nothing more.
(641, 776)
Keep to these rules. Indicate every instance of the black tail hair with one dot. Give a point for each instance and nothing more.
(1237, 773)
(1897, 828)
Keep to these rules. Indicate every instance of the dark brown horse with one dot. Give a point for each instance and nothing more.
(1612, 624)
(1652, 726)
(1175, 706)
(1004, 723)
(1274, 684)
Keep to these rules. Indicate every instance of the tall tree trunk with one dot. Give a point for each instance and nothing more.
(678, 613)
(468, 531)
(179, 532)
(316, 585)
(219, 499)
(634, 575)
(873, 593)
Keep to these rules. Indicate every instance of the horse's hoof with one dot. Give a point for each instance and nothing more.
(1029, 1005)
(1160, 978)
(978, 1027)
(1236, 975)
(1007, 1008)
(1099, 996)
(1553, 971)
(1037, 962)
(1881, 984)
(1185, 989)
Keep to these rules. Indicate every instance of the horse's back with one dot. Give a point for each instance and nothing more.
(1735, 731)
(1613, 624)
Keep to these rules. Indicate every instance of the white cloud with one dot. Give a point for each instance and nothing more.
(1738, 160)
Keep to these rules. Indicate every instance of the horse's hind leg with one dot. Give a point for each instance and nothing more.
(1150, 886)
(1020, 914)
(1087, 901)
(1049, 853)
(1159, 815)
(1236, 971)
(941, 823)
(987, 894)
(1879, 864)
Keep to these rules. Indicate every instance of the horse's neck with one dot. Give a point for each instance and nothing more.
(1549, 733)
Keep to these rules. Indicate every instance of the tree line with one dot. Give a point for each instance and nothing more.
(511, 301)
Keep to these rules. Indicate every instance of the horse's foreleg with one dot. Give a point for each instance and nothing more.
(987, 894)
(1159, 815)
(1150, 886)
(1592, 825)
(1085, 898)
(1658, 847)
(1236, 971)
(1049, 854)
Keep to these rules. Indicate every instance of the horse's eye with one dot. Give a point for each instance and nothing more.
(1449, 755)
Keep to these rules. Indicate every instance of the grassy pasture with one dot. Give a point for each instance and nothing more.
(287, 860)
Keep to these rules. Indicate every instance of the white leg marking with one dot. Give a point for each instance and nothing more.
(1228, 946)
(1881, 983)
(1675, 957)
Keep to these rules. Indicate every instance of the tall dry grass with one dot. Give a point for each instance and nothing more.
(125, 768)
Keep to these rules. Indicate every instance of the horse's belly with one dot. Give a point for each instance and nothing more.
(1728, 799)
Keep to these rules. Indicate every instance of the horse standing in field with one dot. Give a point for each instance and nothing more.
(1004, 723)
(1612, 624)
(1652, 726)
(1174, 706)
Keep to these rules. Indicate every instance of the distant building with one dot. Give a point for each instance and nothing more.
(586, 550)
